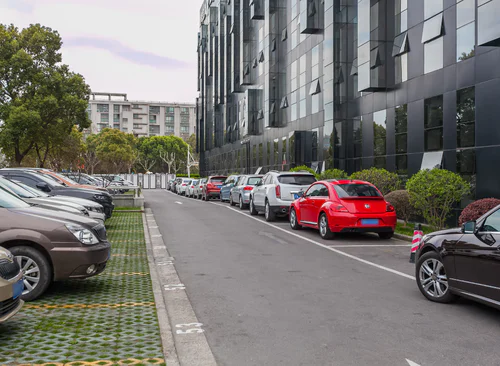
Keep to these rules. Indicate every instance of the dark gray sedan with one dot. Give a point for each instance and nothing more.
(240, 193)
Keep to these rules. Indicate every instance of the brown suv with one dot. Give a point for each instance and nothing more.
(50, 246)
(11, 286)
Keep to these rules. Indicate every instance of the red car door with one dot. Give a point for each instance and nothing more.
(307, 206)
(317, 201)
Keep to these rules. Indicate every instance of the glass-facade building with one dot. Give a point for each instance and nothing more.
(350, 84)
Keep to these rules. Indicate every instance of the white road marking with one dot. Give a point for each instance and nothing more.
(179, 203)
(368, 245)
(411, 363)
(156, 236)
(180, 286)
(196, 328)
(272, 237)
(323, 245)
(153, 227)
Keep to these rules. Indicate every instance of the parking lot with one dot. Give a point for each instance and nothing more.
(268, 295)
(109, 319)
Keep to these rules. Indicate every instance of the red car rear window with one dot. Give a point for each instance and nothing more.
(356, 190)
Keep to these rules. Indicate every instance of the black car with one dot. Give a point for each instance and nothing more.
(463, 261)
(39, 181)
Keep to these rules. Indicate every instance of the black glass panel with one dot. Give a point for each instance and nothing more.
(466, 134)
(433, 139)
(402, 164)
(466, 105)
(401, 143)
(466, 162)
(379, 162)
(433, 112)
(401, 118)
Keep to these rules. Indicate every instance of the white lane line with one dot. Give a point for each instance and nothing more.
(369, 245)
(323, 246)
(179, 203)
(411, 363)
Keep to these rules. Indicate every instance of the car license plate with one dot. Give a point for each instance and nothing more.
(18, 289)
(369, 221)
(296, 196)
(217, 186)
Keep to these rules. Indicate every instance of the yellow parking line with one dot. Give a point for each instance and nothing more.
(126, 274)
(87, 306)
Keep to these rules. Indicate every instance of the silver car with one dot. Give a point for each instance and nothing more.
(240, 193)
(183, 185)
(190, 189)
(198, 188)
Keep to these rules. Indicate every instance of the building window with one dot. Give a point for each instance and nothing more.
(466, 117)
(169, 110)
(402, 164)
(152, 118)
(125, 120)
(379, 133)
(116, 108)
(116, 117)
(432, 37)
(169, 129)
(184, 129)
(466, 29)
(136, 106)
(433, 124)
(137, 116)
(125, 129)
(103, 108)
(154, 110)
(184, 110)
(126, 108)
(277, 162)
(169, 119)
(357, 138)
(432, 7)
(401, 128)
(184, 119)
(117, 126)
(136, 126)
(401, 16)
(328, 144)
(104, 117)
(487, 23)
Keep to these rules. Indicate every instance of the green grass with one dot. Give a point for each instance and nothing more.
(110, 317)
(125, 208)
(408, 230)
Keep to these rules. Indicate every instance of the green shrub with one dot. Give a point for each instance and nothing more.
(185, 175)
(434, 192)
(384, 180)
(401, 201)
(333, 174)
(304, 168)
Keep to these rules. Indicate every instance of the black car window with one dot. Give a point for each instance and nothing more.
(356, 190)
(492, 223)
(323, 192)
(26, 180)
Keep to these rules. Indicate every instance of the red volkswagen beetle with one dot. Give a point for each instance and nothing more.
(343, 206)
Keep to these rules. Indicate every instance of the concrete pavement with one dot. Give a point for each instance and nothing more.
(269, 296)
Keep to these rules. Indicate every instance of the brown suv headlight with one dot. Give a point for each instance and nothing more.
(83, 235)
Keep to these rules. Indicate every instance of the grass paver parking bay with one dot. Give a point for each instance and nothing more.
(109, 319)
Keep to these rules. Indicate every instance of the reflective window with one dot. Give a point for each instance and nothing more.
(492, 223)
(466, 107)
(401, 128)
(401, 164)
(466, 12)
(363, 21)
(433, 123)
(432, 160)
(433, 55)
(401, 68)
(364, 76)
(400, 44)
(432, 7)
(379, 133)
(466, 40)
(433, 28)
(357, 134)
(433, 139)
(487, 23)
(328, 144)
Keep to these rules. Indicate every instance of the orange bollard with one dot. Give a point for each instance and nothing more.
(417, 238)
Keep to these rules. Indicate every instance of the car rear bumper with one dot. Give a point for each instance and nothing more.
(73, 262)
(8, 305)
(350, 223)
(213, 192)
(281, 210)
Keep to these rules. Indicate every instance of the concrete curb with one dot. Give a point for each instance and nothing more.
(167, 340)
(185, 336)
(403, 237)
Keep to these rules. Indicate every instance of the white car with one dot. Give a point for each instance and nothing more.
(276, 191)
(182, 186)
(191, 188)
(198, 188)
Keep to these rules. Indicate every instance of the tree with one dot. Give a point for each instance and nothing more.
(41, 100)
(434, 192)
(304, 168)
(147, 155)
(333, 174)
(172, 150)
(69, 153)
(384, 180)
(401, 201)
(115, 150)
(90, 157)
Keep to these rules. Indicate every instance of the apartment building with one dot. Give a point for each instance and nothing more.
(142, 118)
(350, 84)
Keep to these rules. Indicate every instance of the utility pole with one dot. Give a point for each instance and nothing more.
(190, 162)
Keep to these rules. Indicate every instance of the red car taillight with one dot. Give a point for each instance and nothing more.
(278, 191)
(390, 208)
(248, 188)
(184, 184)
(210, 185)
(336, 207)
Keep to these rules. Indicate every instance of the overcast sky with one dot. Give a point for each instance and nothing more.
(145, 48)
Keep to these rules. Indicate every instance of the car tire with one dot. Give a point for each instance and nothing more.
(324, 228)
(269, 214)
(251, 206)
(294, 223)
(425, 272)
(23, 254)
(241, 204)
(386, 236)
(231, 202)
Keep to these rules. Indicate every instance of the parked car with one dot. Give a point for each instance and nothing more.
(173, 186)
(191, 187)
(198, 189)
(96, 211)
(32, 200)
(65, 181)
(183, 185)
(41, 182)
(212, 187)
(276, 191)
(169, 184)
(11, 286)
(462, 262)
(82, 178)
(225, 190)
(343, 206)
(50, 246)
(240, 193)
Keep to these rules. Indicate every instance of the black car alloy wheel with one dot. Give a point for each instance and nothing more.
(432, 279)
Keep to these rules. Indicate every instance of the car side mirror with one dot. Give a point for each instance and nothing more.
(43, 186)
(469, 227)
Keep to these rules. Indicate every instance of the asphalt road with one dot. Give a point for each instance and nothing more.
(268, 295)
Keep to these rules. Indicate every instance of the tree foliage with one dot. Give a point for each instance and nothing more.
(400, 199)
(115, 150)
(41, 100)
(304, 168)
(384, 180)
(434, 192)
(333, 174)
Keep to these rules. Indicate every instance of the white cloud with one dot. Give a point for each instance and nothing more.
(163, 28)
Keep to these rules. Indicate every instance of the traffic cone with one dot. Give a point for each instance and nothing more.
(415, 243)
